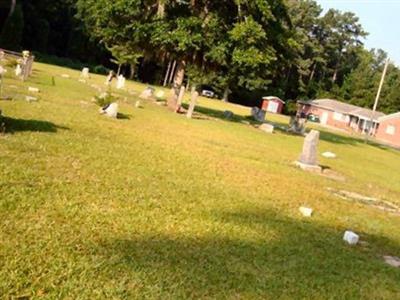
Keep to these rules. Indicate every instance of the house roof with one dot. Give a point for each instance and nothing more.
(391, 116)
(345, 108)
(273, 98)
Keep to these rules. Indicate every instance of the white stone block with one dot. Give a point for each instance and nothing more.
(329, 154)
(351, 238)
(33, 89)
(306, 211)
(267, 128)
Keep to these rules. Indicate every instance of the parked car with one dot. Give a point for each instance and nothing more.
(207, 93)
(313, 118)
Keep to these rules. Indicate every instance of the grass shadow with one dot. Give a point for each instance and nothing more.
(15, 125)
(218, 114)
(281, 257)
(123, 116)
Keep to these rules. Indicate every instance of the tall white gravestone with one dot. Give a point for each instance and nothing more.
(192, 104)
(120, 82)
(309, 156)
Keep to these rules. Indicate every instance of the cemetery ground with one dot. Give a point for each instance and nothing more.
(154, 205)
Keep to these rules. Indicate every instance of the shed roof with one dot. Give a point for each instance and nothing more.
(273, 98)
(345, 108)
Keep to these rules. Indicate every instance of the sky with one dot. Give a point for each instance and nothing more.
(380, 18)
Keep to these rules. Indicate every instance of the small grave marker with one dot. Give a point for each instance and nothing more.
(120, 82)
(192, 104)
(351, 238)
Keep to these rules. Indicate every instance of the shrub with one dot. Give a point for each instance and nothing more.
(105, 99)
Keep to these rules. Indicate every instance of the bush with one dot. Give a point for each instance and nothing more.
(105, 99)
(11, 62)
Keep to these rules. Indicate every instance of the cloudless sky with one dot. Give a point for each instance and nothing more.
(380, 18)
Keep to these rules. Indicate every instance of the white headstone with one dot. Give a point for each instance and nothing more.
(33, 89)
(147, 93)
(351, 238)
(306, 211)
(267, 128)
(31, 99)
(110, 110)
(65, 76)
(192, 104)
(120, 82)
(18, 71)
(85, 73)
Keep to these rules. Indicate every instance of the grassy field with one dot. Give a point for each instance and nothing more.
(157, 206)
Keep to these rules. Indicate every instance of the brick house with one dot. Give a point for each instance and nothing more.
(339, 115)
(389, 129)
(351, 118)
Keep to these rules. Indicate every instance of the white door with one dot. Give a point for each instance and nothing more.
(324, 118)
(272, 107)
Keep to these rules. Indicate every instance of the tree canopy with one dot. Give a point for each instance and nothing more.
(246, 48)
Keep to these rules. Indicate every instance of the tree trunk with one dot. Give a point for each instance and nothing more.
(171, 75)
(312, 72)
(161, 9)
(225, 98)
(334, 77)
(12, 7)
(178, 80)
(132, 71)
(180, 73)
(167, 74)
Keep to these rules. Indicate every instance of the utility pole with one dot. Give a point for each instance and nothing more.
(378, 94)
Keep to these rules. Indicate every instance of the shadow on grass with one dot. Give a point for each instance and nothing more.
(279, 257)
(15, 125)
(122, 116)
(219, 114)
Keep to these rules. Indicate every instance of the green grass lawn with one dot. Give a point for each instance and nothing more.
(158, 206)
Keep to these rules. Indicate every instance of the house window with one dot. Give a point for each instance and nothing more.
(390, 129)
(340, 117)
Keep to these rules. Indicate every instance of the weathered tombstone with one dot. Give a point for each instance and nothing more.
(258, 114)
(268, 128)
(85, 73)
(180, 99)
(148, 93)
(297, 125)
(137, 104)
(120, 82)
(192, 104)
(308, 159)
(110, 110)
(228, 114)
(172, 100)
(31, 99)
(392, 261)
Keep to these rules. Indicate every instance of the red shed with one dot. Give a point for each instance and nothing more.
(272, 104)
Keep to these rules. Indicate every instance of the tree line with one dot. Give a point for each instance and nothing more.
(242, 49)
